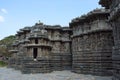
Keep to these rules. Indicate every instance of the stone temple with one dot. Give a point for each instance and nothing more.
(89, 45)
(42, 48)
(114, 20)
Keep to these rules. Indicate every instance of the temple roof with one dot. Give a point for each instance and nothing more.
(39, 36)
(26, 28)
(38, 31)
(66, 29)
(105, 3)
(53, 27)
(92, 15)
(20, 32)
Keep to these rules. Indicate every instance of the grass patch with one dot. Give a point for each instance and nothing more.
(3, 64)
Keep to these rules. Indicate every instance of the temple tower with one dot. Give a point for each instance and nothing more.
(38, 51)
(114, 19)
(92, 43)
(55, 38)
(61, 51)
(13, 52)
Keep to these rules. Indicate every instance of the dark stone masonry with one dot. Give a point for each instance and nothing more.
(114, 19)
(41, 49)
(90, 45)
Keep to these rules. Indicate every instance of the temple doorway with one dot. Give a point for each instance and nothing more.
(36, 41)
(35, 52)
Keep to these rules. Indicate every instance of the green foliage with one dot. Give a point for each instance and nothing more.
(2, 64)
(7, 41)
(4, 51)
(5, 45)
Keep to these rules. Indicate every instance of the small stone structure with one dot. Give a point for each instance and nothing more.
(41, 49)
(114, 19)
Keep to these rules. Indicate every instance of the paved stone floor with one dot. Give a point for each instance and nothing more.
(11, 74)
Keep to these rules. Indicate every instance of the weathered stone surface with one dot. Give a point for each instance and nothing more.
(92, 44)
(114, 19)
(86, 46)
(42, 49)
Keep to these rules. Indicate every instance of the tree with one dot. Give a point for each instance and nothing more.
(5, 45)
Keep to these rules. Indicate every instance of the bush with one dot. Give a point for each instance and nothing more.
(3, 64)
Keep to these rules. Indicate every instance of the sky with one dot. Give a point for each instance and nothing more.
(16, 14)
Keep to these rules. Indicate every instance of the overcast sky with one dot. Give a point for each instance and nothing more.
(16, 14)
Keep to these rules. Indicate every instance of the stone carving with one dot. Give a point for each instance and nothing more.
(38, 53)
(114, 19)
(93, 43)
(88, 41)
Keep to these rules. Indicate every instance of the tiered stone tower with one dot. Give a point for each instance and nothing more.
(38, 51)
(114, 19)
(60, 40)
(41, 49)
(13, 51)
(92, 43)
